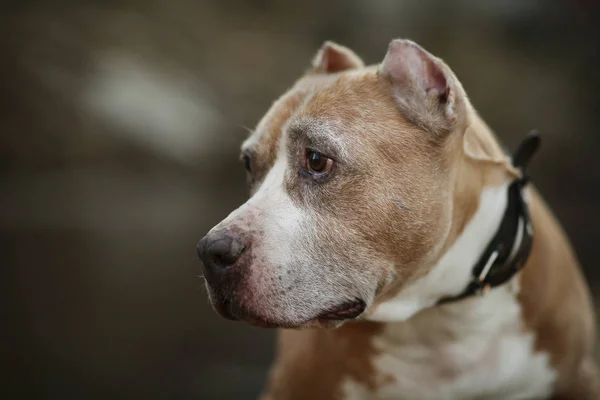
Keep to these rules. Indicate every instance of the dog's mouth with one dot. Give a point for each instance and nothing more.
(348, 310)
(331, 317)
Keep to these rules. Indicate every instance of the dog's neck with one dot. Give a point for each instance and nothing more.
(480, 199)
(452, 273)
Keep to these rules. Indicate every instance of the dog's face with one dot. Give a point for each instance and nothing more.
(350, 181)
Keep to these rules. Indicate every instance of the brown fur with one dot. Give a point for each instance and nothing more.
(360, 108)
(556, 303)
(263, 156)
(311, 364)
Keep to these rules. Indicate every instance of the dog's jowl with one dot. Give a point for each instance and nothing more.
(385, 217)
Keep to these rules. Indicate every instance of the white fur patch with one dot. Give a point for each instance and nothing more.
(475, 348)
(281, 218)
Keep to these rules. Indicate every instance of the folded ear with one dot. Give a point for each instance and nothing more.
(332, 58)
(426, 89)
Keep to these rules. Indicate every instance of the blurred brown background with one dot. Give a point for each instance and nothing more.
(120, 127)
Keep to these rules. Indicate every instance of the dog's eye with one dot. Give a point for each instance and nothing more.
(316, 163)
(247, 162)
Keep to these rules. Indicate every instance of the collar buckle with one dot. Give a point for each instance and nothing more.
(483, 288)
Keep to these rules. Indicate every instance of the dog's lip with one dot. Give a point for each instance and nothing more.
(347, 310)
(233, 312)
(226, 309)
(331, 317)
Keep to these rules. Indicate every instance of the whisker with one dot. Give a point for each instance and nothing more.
(247, 129)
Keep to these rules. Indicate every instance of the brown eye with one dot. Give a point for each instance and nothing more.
(317, 163)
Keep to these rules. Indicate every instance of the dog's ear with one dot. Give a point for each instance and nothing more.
(332, 58)
(426, 89)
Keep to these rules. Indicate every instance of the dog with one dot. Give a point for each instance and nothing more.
(385, 216)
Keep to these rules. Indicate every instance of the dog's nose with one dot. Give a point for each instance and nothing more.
(218, 254)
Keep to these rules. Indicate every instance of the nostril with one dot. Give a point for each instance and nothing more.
(224, 251)
(237, 249)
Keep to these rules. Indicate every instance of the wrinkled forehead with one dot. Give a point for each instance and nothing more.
(264, 140)
(341, 106)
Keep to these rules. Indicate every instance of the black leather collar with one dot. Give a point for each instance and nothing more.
(510, 247)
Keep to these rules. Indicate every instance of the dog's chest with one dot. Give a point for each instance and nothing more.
(476, 352)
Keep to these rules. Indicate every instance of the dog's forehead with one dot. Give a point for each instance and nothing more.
(349, 102)
(359, 105)
(264, 140)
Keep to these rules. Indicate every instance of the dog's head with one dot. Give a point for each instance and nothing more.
(353, 180)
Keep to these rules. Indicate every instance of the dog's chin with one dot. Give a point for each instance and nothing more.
(330, 318)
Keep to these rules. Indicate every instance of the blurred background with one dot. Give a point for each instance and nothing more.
(120, 128)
